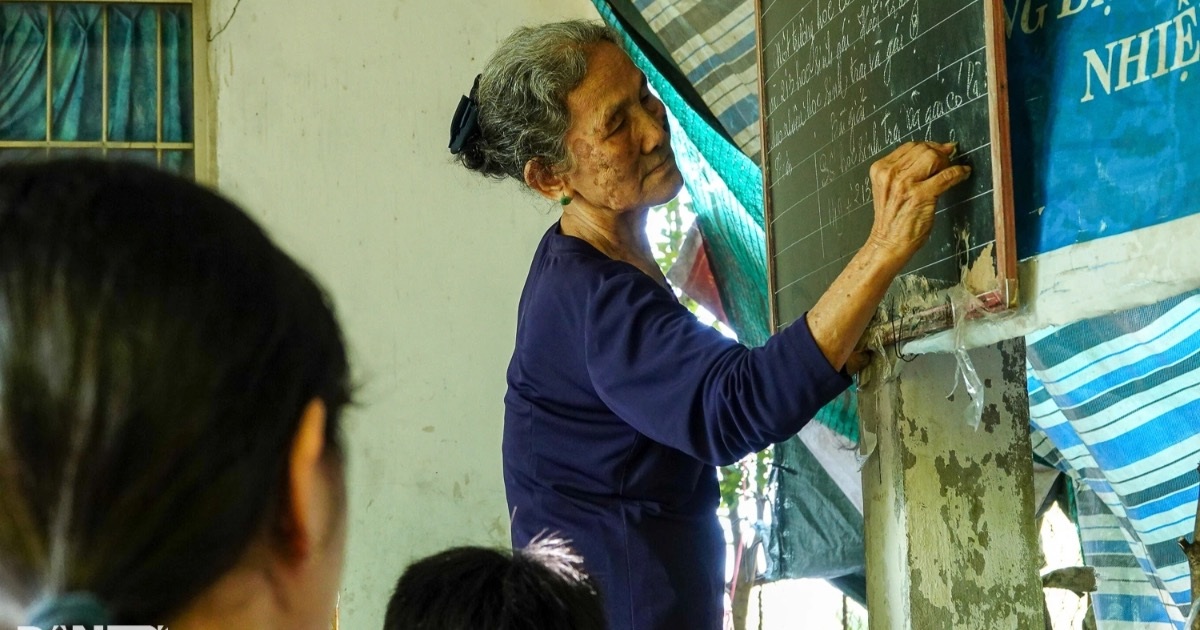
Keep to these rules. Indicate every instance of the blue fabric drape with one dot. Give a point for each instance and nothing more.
(78, 72)
(132, 105)
(73, 35)
(23, 37)
(177, 85)
(1095, 154)
(177, 74)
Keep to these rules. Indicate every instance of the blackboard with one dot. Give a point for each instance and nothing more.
(843, 82)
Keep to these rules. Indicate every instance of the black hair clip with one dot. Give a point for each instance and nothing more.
(465, 126)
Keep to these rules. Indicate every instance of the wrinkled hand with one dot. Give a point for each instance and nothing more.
(858, 361)
(906, 184)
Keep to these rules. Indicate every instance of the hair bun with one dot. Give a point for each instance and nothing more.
(472, 156)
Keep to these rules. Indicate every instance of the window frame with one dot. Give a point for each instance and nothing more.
(203, 106)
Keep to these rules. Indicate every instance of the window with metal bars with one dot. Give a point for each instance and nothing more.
(101, 79)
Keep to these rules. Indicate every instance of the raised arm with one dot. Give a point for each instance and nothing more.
(905, 185)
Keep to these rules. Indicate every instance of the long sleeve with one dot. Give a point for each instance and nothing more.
(686, 386)
(618, 404)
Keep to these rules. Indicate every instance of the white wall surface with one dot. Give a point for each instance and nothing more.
(332, 125)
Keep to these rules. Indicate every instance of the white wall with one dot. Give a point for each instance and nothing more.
(332, 125)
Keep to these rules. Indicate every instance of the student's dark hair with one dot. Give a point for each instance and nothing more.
(157, 352)
(541, 587)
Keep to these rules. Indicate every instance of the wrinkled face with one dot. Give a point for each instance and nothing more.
(618, 137)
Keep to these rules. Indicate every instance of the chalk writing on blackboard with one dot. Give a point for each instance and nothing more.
(843, 83)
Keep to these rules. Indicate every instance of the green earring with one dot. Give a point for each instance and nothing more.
(564, 200)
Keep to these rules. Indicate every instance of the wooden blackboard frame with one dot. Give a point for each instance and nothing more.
(1001, 297)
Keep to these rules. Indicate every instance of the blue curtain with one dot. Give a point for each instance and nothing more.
(23, 37)
(132, 108)
(70, 40)
(78, 69)
(177, 85)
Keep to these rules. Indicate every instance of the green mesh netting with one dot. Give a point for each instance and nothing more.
(809, 538)
(727, 196)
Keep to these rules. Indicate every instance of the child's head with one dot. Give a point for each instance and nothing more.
(541, 587)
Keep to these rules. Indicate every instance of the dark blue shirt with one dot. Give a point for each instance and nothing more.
(619, 405)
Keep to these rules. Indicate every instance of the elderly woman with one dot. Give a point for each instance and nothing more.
(620, 403)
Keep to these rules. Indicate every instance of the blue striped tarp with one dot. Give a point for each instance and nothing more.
(1117, 403)
(713, 43)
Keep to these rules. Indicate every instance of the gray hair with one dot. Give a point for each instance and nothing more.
(522, 97)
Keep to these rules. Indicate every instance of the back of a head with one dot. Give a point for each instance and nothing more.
(156, 353)
(541, 587)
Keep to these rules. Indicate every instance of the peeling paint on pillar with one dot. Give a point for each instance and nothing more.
(990, 418)
(964, 481)
(956, 503)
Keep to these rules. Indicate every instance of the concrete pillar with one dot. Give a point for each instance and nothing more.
(950, 537)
